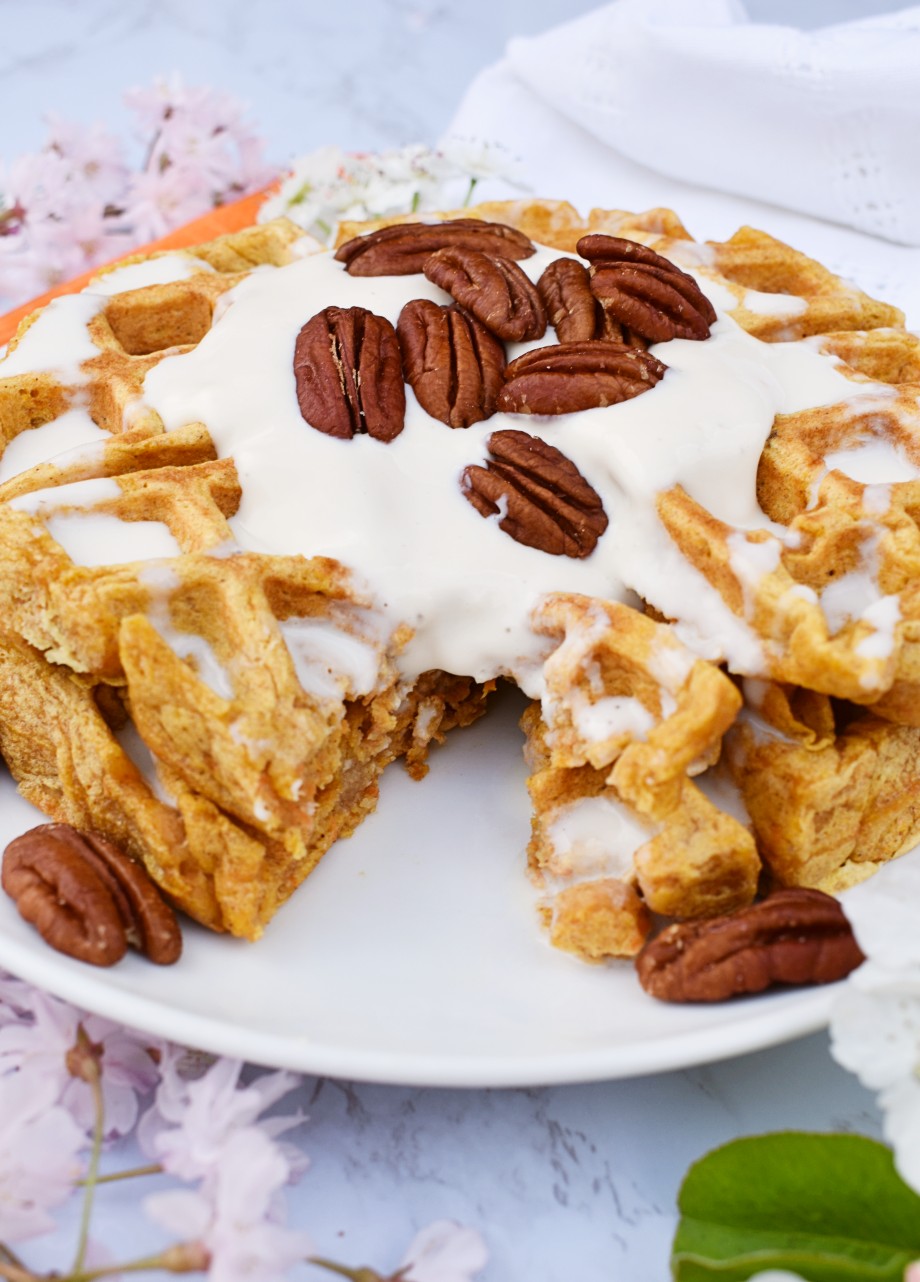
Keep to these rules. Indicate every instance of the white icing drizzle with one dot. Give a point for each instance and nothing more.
(617, 714)
(63, 498)
(856, 596)
(161, 581)
(162, 270)
(884, 615)
(330, 661)
(57, 341)
(428, 711)
(669, 663)
(761, 304)
(594, 837)
(750, 562)
(876, 499)
(873, 461)
(395, 513)
(70, 432)
(98, 538)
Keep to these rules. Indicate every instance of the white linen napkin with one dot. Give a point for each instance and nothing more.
(825, 122)
(540, 103)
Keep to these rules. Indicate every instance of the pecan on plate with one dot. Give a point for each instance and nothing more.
(452, 362)
(348, 374)
(795, 936)
(86, 898)
(567, 377)
(573, 311)
(403, 248)
(645, 291)
(545, 501)
(492, 289)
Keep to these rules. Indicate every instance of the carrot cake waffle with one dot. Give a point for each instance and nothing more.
(272, 517)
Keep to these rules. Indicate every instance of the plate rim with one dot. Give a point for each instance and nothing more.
(770, 1019)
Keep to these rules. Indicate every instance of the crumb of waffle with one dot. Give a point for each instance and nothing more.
(599, 919)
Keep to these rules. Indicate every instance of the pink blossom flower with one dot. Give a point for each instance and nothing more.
(253, 172)
(36, 182)
(75, 204)
(158, 200)
(236, 1214)
(912, 1272)
(92, 234)
(156, 104)
(192, 1121)
(444, 1252)
(184, 142)
(38, 1049)
(39, 1144)
(93, 157)
(39, 258)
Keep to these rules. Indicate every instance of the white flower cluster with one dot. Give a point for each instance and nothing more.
(875, 1025)
(329, 185)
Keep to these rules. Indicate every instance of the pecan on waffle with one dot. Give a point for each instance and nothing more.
(272, 517)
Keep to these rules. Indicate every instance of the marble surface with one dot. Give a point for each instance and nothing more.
(564, 1182)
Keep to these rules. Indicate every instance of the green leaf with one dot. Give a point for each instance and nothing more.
(829, 1207)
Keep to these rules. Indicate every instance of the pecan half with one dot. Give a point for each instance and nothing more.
(87, 898)
(348, 374)
(494, 290)
(452, 362)
(403, 248)
(794, 936)
(567, 377)
(573, 311)
(645, 291)
(545, 500)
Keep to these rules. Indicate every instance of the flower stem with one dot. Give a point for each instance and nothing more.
(92, 1176)
(154, 1169)
(356, 1275)
(469, 192)
(184, 1258)
(13, 1273)
(12, 1268)
(332, 1266)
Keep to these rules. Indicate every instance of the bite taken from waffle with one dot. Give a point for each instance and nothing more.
(273, 517)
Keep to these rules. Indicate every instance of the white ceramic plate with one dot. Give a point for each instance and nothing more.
(413, 955)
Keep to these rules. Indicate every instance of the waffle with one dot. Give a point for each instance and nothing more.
(212, 669)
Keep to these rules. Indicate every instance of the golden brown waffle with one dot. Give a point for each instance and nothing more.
(160, 701)
(228, 796)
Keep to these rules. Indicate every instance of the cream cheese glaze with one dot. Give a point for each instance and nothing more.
(69, 431)
(162, 270)
(57, 341)
(395, 512)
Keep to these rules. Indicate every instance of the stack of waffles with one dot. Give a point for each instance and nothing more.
(223, 618)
